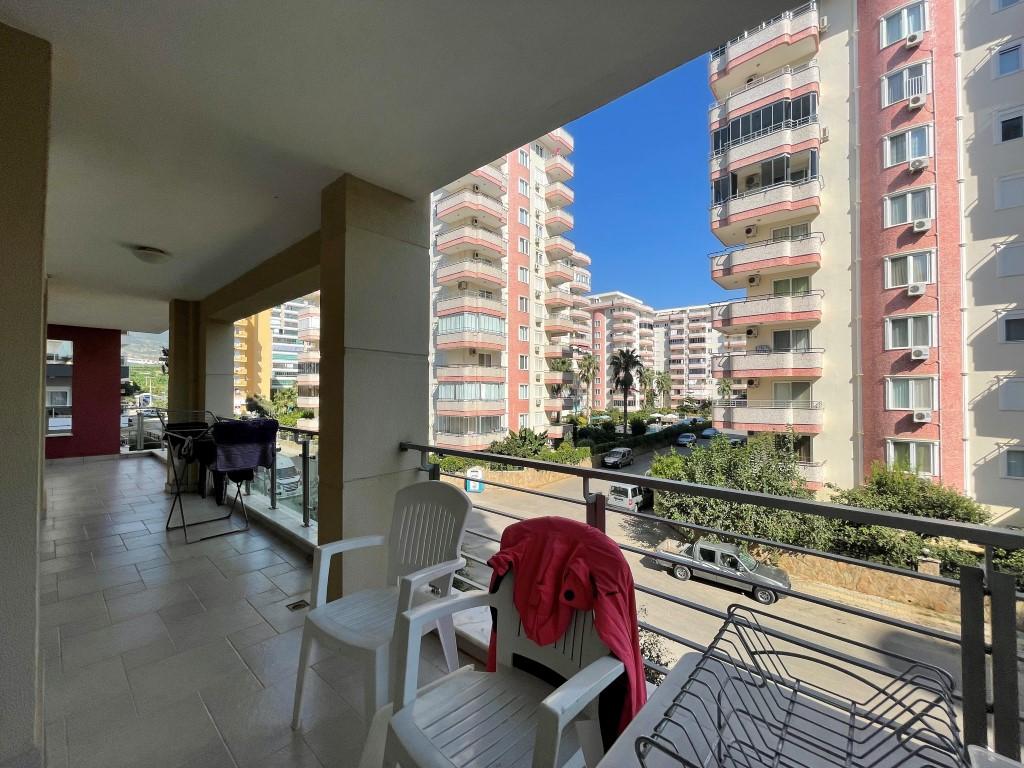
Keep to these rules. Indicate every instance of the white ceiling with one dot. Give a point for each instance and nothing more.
(209, 128)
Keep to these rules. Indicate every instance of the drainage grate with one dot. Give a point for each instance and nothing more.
(298, 605)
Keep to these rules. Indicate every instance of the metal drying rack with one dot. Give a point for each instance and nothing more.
(765, 694)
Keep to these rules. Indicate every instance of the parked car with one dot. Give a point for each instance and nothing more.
(629, 498)
(686, 439)
(289, 479)
(617, 457)
(725, 564)
(709, 433)
(736, 442)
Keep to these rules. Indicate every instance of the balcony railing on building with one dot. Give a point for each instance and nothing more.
(763, 361)
(469, 372)
(468, 239)
(772, 84)
(558, 246)
(470, 270)
(803, 416)
(771, 203)
(560, 270)
(470, 300)
(558, 195)
(786, 136)
(558, 221)
(771, 309)
(467, 204)
(732, 268)
(559, 168)
(474, 338)
(558, 141)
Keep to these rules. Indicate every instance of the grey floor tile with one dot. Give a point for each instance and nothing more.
(79, 608)
(80, 584)
(56, 744)
(216, 623)
(148, 653)
(250, 561)
(148, 600)
(68, 563)
(178, 571)
(146, 557)
(111, 641)
(295, 581)
(68, 692)
(216, 756)
(102, 546)
(277, 658)
(276, 570)
(297, 754)
(250, 635)
(280, 616)
(218, 590)
(338, 742)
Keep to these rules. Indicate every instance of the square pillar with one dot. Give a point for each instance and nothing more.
(24, 146)
(201, 361)
(374, 371)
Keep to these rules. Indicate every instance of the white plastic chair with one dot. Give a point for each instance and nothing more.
(471, 718)
(423, 548)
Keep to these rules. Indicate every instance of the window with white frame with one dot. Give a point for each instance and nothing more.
(1010, 191)
(524, 420)
(908, 145)
(57, 397)
(524, 362)
(915, 455)
(1011, 394)
(524, 333)
(524, 303)
(524, 245)
(1001, 5)
(524, 158)
(904, 83)
(1007, 59)
(539, 150)
(524, 275)
(910, 394)
(908, 206)
(1010, 259)
(898, 24)
(902, 269)
(908, 331)
(1009, 124)
(524, 187)
(1014, 463)
(1011, 327)
(524, 391)
(524, 216)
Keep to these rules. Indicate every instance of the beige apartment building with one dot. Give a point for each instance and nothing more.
(867, 180)
(253, 358)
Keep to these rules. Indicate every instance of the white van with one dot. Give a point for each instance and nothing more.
(289, 479)
(629, 498)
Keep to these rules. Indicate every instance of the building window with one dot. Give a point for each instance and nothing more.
(524, 420)
(906, 268)
(1014, 463)
(904, 83)
(908, 331)
(792, 340)
(1010, 260)
(524, 216)
(897, 25)
(524, 303)
(906, 394)
(1007, 59)
(524, 158)
(1011, 394)
(523, 274)
(908, 206)
(1010, 191)
(907, 145)
(1011, 327)
(524, 391)
(782, 114)
(524, 245)
(789, 286)
(524, 362)
(524, 187)
(791, 232)
(524, 333)
(914, 455)
(1009, 124)
(1000, 5)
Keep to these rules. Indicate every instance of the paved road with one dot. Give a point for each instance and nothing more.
(684, 621)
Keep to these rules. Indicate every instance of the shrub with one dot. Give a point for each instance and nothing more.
(638, 425)
(608, 427)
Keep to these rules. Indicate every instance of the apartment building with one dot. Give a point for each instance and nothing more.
(619, 321)
(253, 358)
(307, 378)
(508, 297)
(881, 294)
(284, 325)
(684, 342)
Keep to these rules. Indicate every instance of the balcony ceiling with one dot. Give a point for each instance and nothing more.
(209, 129)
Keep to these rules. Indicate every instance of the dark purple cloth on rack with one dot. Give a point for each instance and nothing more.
(245, 444)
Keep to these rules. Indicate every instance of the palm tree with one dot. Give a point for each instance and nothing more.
(725, 389)
(624, 364)
(586, 371)
(663, 383)
(647, 386)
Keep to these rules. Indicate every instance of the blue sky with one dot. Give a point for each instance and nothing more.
(642, 191)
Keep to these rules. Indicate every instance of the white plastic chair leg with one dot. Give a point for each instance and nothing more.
(300, 676)
(377, 682)
(446, 633)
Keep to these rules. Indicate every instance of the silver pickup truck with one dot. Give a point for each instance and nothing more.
(724, 564)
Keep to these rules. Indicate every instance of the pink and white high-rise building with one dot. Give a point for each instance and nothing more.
(867, 176)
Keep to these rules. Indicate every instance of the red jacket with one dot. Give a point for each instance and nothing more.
(563, 565)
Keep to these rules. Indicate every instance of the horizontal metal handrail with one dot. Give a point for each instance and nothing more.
(494, 368)
(985, 535)
(472, 295)
(812, 405)
(471, 330)
(721, 49)
(759, 190)
(761, 243)
(783, 126)
(769, 297)
(787, 70)
(467, 195)
(747, 352)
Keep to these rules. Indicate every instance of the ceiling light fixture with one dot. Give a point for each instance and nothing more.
(150, 254)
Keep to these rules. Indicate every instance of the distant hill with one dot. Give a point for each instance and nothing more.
(144, 347)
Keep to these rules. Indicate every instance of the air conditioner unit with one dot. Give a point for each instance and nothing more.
(463, 285)
(537, 403)
(536, 294)
(822, 24)
(752, 333)
(753, 382)
(918, 164)
(472, 352)
(536, 350)
(916, 289)
(922, 417)
(750, 231)
(913, 40)
(536, 377)
(824, 133)
(754, 280)
(476, 254)
(920, 353)
(475, 221)
(921, 225)
(476, 187)
(916, 101)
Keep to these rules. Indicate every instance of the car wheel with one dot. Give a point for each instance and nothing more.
(764, 596)
(681, 572)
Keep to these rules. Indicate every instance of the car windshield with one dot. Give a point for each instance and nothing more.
(619, 490)
(618, 452)
(749, 562)
(291, 471)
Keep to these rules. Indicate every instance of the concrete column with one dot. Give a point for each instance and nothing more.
(374, 373)
(219, 394)
(201, 360)
(24, 143)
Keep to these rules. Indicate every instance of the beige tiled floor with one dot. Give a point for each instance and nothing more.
(159, 653)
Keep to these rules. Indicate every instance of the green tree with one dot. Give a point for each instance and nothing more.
(724, 389)
(663, 383)
(586, 371)
(524, 444)
(625, 365)
(646, 378)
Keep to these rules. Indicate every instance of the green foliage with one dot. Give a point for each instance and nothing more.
(152, 379)
(625, 365)
(608, 427)
(563, 365)
(724, 389)
(565, 454)
(524, 444)
(663, 385)
(638, 425)
(614, 415)
(259, 406)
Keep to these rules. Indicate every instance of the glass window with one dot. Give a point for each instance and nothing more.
(1013, 329)
(907, 394)
(1008, 60)
(909, 331)
(1010, 125)
(1010, 191)
(524, 391)
(905, 83)
(1003, 4)
(1010, 260)
(791, 391)
(524, 216)
(790, 286)
(524, 362)
(59, 374)
(908, 145)
(524, 304)
(915, 456)
(792, 232)
(1014, 462)
(792, 340)
(908, 268)
(524, 420)
(897, 25)
(908, 206)
(524, 275)
(524, 245)
(524, 158)
(524, 333)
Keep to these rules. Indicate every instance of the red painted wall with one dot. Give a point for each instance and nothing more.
(943, 297)
(95, 393)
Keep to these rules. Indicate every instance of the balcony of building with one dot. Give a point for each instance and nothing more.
(471, 240)
(624, 312)
(308, 379)
(813, 473)
(790, 37)
(558, 195)
(469, 442)
(559, 271)
(756, 208)
(309, 328)
(782, 83)
(558, 404)
(763, 361)
(736, 316)
(470, 339)
(559, 168)
(469, 372)
(646, 332)
(559, 377)
(788, 136)
(558, 142)
(469, 406)
(804, 417)
(470, 301)
(578, 313)
(580, 259)
(488, 180)
(558, 322)
(455, 272)
(309, 355)
(558, 297)
(472, 208)
(580, 280)
(560, 350)
(558, 221)
(559, 247)
(735, 267)
(307, 400)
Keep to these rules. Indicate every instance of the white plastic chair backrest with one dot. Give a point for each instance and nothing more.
(427, 527)
(578, 647)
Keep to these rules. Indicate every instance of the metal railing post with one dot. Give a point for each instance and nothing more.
(273, 479)
(595, 511)
(1005, 687)
(305, 482)
(434, 473)
(972, 655)
(140, 432)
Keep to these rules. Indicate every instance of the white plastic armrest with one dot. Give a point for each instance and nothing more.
(567, 701)
(322, 560)
(409, 636)
(418, 579)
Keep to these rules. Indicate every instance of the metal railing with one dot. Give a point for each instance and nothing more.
(758, 190)
(787, 70)
(762, 243)
(718, 52)
(783, 126)
(813, 405)
(978, 657)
